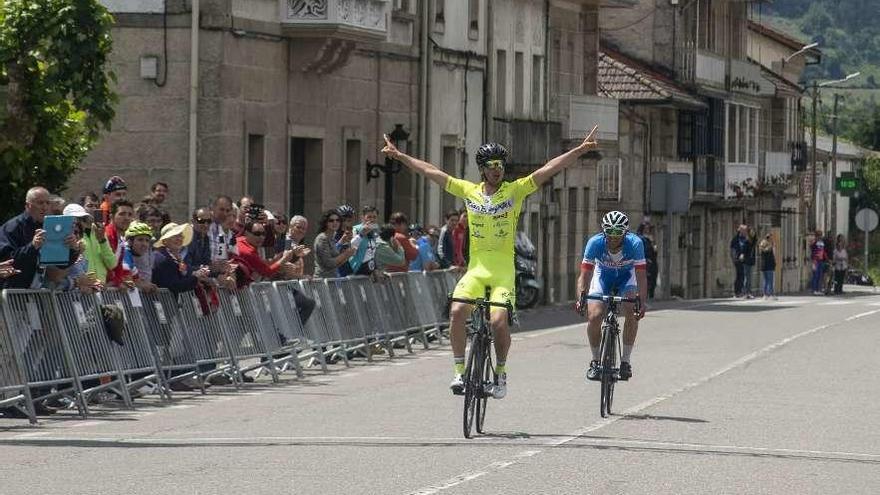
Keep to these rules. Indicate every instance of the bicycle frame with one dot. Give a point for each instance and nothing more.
(478, 362)
(610, 347)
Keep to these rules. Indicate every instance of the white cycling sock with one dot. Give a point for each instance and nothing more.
(595, 351)
(627, 352)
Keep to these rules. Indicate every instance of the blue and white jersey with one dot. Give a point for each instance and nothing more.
(631, 255)
(614, 271)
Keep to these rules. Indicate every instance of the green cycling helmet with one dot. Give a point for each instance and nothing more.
(138, 228)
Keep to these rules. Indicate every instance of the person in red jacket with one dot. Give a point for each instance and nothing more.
(122, 213)
(252, 266)
(401, 234)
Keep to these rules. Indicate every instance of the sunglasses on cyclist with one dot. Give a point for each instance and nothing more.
(615, 232)
(494, 164)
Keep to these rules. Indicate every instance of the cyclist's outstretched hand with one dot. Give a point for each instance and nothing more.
(389, 149)
(590, 142)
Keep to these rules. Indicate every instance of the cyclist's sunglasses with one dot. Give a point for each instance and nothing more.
(615, 232)
(494, 164)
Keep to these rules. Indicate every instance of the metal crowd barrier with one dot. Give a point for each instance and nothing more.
(55, 344)
(14, 391)
(281, 328)
(173, 349)
(138, 358)
(207, 336)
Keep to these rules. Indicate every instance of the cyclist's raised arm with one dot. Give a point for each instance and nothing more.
(566, 159)
(428, 170)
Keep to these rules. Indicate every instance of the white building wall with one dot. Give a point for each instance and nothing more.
(455, 118)
(519, 26)
(134, 6)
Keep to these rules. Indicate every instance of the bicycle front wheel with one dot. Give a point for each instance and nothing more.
(483, 398)
(473, 380)
(608, 363)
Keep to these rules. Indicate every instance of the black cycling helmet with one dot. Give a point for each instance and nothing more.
(345, 211)
(491, 151)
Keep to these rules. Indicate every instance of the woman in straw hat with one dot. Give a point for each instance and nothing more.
(169, 269)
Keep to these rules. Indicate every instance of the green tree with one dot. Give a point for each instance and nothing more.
(866, 130)
(871, 174)
(56, 88)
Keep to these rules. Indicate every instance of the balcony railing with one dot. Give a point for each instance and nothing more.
(742, 178)
(357, 20)
(710, 69)
(708, 176)
(697, 66)
(776, 164)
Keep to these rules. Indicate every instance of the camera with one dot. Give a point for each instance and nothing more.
(254, 211)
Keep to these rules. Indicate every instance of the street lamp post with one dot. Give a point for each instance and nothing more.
(390, 168)
(813, 209)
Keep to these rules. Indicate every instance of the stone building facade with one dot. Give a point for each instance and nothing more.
(288, 110)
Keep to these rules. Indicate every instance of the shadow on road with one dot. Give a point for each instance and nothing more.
(494, 440)
(736, 308)
(651, 417)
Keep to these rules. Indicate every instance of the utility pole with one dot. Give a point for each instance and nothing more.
(812, 220)
(833, 199)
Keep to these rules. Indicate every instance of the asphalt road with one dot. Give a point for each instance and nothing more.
(728, 396)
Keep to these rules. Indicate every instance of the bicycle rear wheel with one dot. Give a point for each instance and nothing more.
(483, 398)
(609, 361)
(473, 379)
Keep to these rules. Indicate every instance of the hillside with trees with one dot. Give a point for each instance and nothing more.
(848, 33)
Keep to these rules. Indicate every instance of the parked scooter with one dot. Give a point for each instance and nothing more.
(528, 288)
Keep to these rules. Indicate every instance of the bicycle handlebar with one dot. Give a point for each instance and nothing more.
(485, 302)
(607, 299)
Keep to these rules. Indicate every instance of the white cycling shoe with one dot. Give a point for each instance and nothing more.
(499, 390)
(457, 385)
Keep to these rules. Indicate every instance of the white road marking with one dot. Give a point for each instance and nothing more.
(702, 447)
(32, 434)
(862, 315)
(85, 423)
(742, 361)
(527, 453)
(836, 303)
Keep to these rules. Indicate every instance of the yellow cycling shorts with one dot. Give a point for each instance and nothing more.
(499, 277)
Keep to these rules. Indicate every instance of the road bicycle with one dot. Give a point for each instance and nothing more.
(479, 375)
(609, 348)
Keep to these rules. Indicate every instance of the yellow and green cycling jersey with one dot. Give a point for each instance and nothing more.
(492, 221)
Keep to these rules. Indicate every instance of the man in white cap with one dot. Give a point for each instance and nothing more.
(100, 256)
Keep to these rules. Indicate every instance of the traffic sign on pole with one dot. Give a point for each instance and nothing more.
(866, 220)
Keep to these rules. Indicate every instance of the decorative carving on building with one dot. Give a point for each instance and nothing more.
(307, 9)
(538, 37)
(520, 30)
(366, 13)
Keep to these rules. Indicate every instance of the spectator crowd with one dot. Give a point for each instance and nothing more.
(119, 243)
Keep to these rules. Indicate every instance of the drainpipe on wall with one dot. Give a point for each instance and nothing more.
(546, 110)
(193, 103)
(489, 78)
(424, 101)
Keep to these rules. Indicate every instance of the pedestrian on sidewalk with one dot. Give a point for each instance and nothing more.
(817, 256)
(738, 249)
(749, 262)
(768, 265)
(840, 263)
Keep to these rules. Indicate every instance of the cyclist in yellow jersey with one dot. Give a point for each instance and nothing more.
(493, 208)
